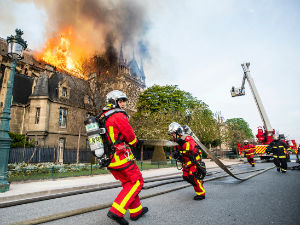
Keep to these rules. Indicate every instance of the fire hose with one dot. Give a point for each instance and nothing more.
(212, 156)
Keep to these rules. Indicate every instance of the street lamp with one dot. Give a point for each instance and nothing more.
(16, 45)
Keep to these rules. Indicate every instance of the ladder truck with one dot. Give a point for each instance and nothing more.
(264, 134)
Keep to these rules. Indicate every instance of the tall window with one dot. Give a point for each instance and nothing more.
(37, 115)
(64, 92)
(62, 117)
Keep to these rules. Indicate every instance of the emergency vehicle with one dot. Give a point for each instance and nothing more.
(264, 134)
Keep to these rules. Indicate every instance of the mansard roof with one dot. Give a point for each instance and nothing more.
(49, 86)
(78, 88)
(41, 87)
(22, 88)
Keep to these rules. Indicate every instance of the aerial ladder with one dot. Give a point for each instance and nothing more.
(265, 133)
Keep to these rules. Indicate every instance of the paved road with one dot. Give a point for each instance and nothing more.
(269, 198)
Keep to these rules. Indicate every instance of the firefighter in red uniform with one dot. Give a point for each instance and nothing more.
(190, 156)
(122, 165)
(297, 152)
(249, 151)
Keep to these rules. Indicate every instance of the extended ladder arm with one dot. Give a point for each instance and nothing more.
(241, 91)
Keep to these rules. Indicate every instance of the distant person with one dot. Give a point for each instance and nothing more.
(297, 153)
(190, 156)
(279, 150)
(249, 152)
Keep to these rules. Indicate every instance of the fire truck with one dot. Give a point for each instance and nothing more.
(265, 133)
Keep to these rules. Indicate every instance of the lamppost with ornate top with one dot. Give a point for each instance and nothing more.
(16, 45)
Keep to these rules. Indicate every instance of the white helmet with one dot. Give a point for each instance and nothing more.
(246, 141)
(175, 128)
(112, 99)
(276, 137)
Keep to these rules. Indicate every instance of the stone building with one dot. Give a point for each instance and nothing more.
(50, 106)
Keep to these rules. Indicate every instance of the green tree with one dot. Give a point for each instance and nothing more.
(165, 99)
(237, 130)
(158, 106)
(17, 140)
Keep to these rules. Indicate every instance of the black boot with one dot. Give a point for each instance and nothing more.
(144, 211)
(199, 197)
(118, 219)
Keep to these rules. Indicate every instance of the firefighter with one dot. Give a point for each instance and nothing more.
(249, 151)
(122, 166)
(279, 150)
(190, 156)
(297, 152)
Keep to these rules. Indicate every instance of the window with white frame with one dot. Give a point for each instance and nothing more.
(37, 115)
(64, 92)
(62, 117)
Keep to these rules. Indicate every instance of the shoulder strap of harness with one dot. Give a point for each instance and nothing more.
(102, 118)
(106, 115)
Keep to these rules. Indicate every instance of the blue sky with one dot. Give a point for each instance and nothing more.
(199, 45)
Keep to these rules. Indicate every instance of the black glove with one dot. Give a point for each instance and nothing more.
(176, 155)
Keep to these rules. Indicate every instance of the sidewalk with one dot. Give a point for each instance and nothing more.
(33, 189)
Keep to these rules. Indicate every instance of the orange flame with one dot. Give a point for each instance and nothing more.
(66, 52)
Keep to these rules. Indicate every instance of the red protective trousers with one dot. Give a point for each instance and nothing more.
(132, 183)
(188, 175)
(249, 150)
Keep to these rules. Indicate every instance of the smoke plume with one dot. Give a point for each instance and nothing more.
(95, 21)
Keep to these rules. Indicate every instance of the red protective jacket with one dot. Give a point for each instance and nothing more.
(188, 149)
(249, 150)
(119, 129)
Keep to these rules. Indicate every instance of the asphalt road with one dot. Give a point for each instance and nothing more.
(269, 198)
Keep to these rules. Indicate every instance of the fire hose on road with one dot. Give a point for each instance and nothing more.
(75, 212)
(213, 157)
(107, 205)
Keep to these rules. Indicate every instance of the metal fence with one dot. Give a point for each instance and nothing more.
(47, 154)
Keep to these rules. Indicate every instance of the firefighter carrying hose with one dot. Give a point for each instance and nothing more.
(249, 152)
(279, 150)
(122, 166)
(190, 155)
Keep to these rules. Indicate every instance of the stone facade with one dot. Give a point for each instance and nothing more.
(50, 107)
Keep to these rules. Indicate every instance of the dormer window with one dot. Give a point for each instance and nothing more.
(64, 92)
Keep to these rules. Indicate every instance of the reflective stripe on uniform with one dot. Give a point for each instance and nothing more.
(188, 163)
(132, 142)
(187, 146)
(198, 157)
(119, 162)
(202, 189)
(282, 156)
(136, 209)
(120, 207)
(112, 134)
